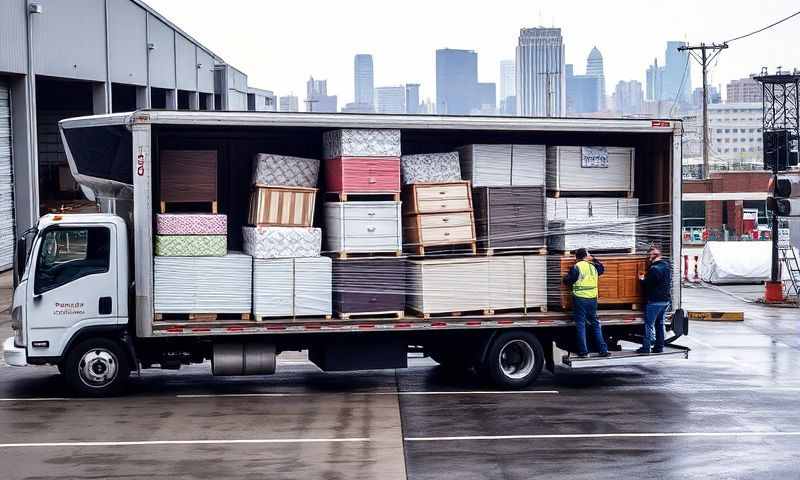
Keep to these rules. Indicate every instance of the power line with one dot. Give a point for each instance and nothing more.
(680, 89)
(765, 28)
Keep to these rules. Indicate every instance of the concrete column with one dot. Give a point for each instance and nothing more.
(210, 102)
(24, 154)
(142, 97)
(194, 100)
(172, 99)
(100, 99)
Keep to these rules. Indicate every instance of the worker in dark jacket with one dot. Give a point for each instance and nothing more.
(657, 286)
(583, 278)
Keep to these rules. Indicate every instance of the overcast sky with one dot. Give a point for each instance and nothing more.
(279, 44)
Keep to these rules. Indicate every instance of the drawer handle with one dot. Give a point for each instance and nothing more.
(446, 234)
(445, 219)
(371, 214)
(370, 229)
(444, 205)
(443, 193)
(373, 299)
(372, 180)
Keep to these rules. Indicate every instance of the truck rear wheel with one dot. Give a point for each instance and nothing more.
(97, 367)
(514, 360)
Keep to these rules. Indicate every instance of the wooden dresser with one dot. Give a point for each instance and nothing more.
(371, 286)
(619, 284)
(359, 227)
(362, 175)
(510, 217)
(291, 287)
(438, 214)
(284, 206)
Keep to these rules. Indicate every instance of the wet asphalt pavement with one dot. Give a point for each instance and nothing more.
(730, 411)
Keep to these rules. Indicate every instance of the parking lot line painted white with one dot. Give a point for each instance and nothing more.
(43, 399)
(471, 392)
(590, 436)
(186, 442)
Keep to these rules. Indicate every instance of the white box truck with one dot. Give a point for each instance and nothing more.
(90, 309)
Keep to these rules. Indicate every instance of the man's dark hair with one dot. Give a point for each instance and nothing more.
(580, 253)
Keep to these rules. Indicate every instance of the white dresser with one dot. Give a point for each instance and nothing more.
(363, 227)
(292, 287)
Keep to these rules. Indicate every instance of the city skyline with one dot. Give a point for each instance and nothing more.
(491, 32)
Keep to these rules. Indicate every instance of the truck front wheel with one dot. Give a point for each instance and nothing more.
(97, 367)
(514, 359)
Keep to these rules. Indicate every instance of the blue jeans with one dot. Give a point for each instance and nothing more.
(654, 325)
(585, 313)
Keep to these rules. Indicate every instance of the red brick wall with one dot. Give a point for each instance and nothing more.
(714, 214)
(740, 181)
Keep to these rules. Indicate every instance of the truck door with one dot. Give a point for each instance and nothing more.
(74, 285)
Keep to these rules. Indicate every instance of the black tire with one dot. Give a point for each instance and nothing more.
(514, 360)
(93, 359)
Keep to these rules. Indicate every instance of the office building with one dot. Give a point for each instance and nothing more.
(584, 92)
(594, 68)
(456, 81)
(713, 96)
(628, 97)
(390, 99)
(486, 95)
(654, 82)
(88, 57)
(354, 107)
(541, 85)
(289, 103)
(734, 130)
(317, 98)
(745, 90)
(259, 100)
(677, 75)
(364, 81)
(412, 98)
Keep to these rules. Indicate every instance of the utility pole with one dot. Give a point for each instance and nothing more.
(704, 61)
(548, 92)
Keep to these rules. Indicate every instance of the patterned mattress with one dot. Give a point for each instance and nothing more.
(191, 224)
(284, 170)
(361, 143)
(282, 242)
(430, 167)
(191, 245)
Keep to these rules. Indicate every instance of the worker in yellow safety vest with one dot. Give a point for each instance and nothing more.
(583, 279)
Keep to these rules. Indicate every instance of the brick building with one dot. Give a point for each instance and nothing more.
(719, 201)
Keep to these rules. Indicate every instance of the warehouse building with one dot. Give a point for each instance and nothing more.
(61, 59)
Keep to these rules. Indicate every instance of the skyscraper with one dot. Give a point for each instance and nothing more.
(541, 88)
(584, 92)
(289, 103)
(317, 98)
(412, 98)
(628, 97)
(677, 79)
(508, 86)
(456, 81)
(594, 68)
(654, 82)
(390, 99)
(486, 95)
(364, 80)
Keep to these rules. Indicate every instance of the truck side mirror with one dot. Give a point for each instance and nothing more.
(21, 257)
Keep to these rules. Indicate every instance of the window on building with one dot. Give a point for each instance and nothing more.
(727, 130)
(694, 213)
(735, 140)
(734, 130)
(735, 150)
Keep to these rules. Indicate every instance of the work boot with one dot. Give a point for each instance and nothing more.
(657, 350)
(604, 354)
(583, 355)
(643, 351)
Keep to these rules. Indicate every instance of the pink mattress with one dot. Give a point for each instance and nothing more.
(191, 224)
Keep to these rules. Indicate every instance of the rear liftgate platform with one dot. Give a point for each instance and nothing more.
(679, 326)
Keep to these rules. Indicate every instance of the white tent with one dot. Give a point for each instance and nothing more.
(737, 262)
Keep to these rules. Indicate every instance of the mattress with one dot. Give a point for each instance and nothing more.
(361, 143)
(191, 224)
(203, 284)
(282, 242)
(592, 234)
(583, 207)
(269, 169)
(191, 245)
(430, 167)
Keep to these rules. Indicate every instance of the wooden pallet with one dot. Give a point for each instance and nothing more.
(519, 310)
(201, 317)
(489, 252)
(263, 318)
(211, 205)
(345, 255)
(442, 250)
(364, 196)
(395, 313)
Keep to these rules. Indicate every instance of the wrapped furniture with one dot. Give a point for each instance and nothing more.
(285, 206)
(191, 224)
(190, 245)
(291, 287)
(282, 242)
(510, 218)
(269, 169)
(188, 176)
(503, 165)
(362, 161)
(448, 285)
(203, 284)
(430, 167)
(589, 169)
(592, 233)
(369, 286)
(359, 227)
(439, 214)
(536, 281)
(361, 143)
(618, 285)
(583, 207)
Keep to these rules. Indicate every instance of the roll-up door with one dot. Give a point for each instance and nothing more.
(6, 181)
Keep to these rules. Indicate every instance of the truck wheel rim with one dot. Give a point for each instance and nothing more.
(98, 368)
(516, 359)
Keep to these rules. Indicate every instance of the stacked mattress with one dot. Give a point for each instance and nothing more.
(191, 235)
(219, 284)
(430, 167)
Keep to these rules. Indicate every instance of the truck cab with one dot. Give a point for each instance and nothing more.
(72, 291)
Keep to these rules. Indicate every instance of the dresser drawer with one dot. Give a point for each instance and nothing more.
(439, 235)
(373, 211)
(442, 191)
(363, 175)
(363, 226)
(443, 205)
(370, 228)
(442, 220)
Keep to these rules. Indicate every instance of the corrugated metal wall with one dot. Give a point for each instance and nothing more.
(12, 37)
(127, 29)
(205, 74)
(6, 181)
(162, 57)
(185, 58)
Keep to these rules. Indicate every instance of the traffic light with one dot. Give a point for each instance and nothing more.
(784, 200)
(780, 148)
